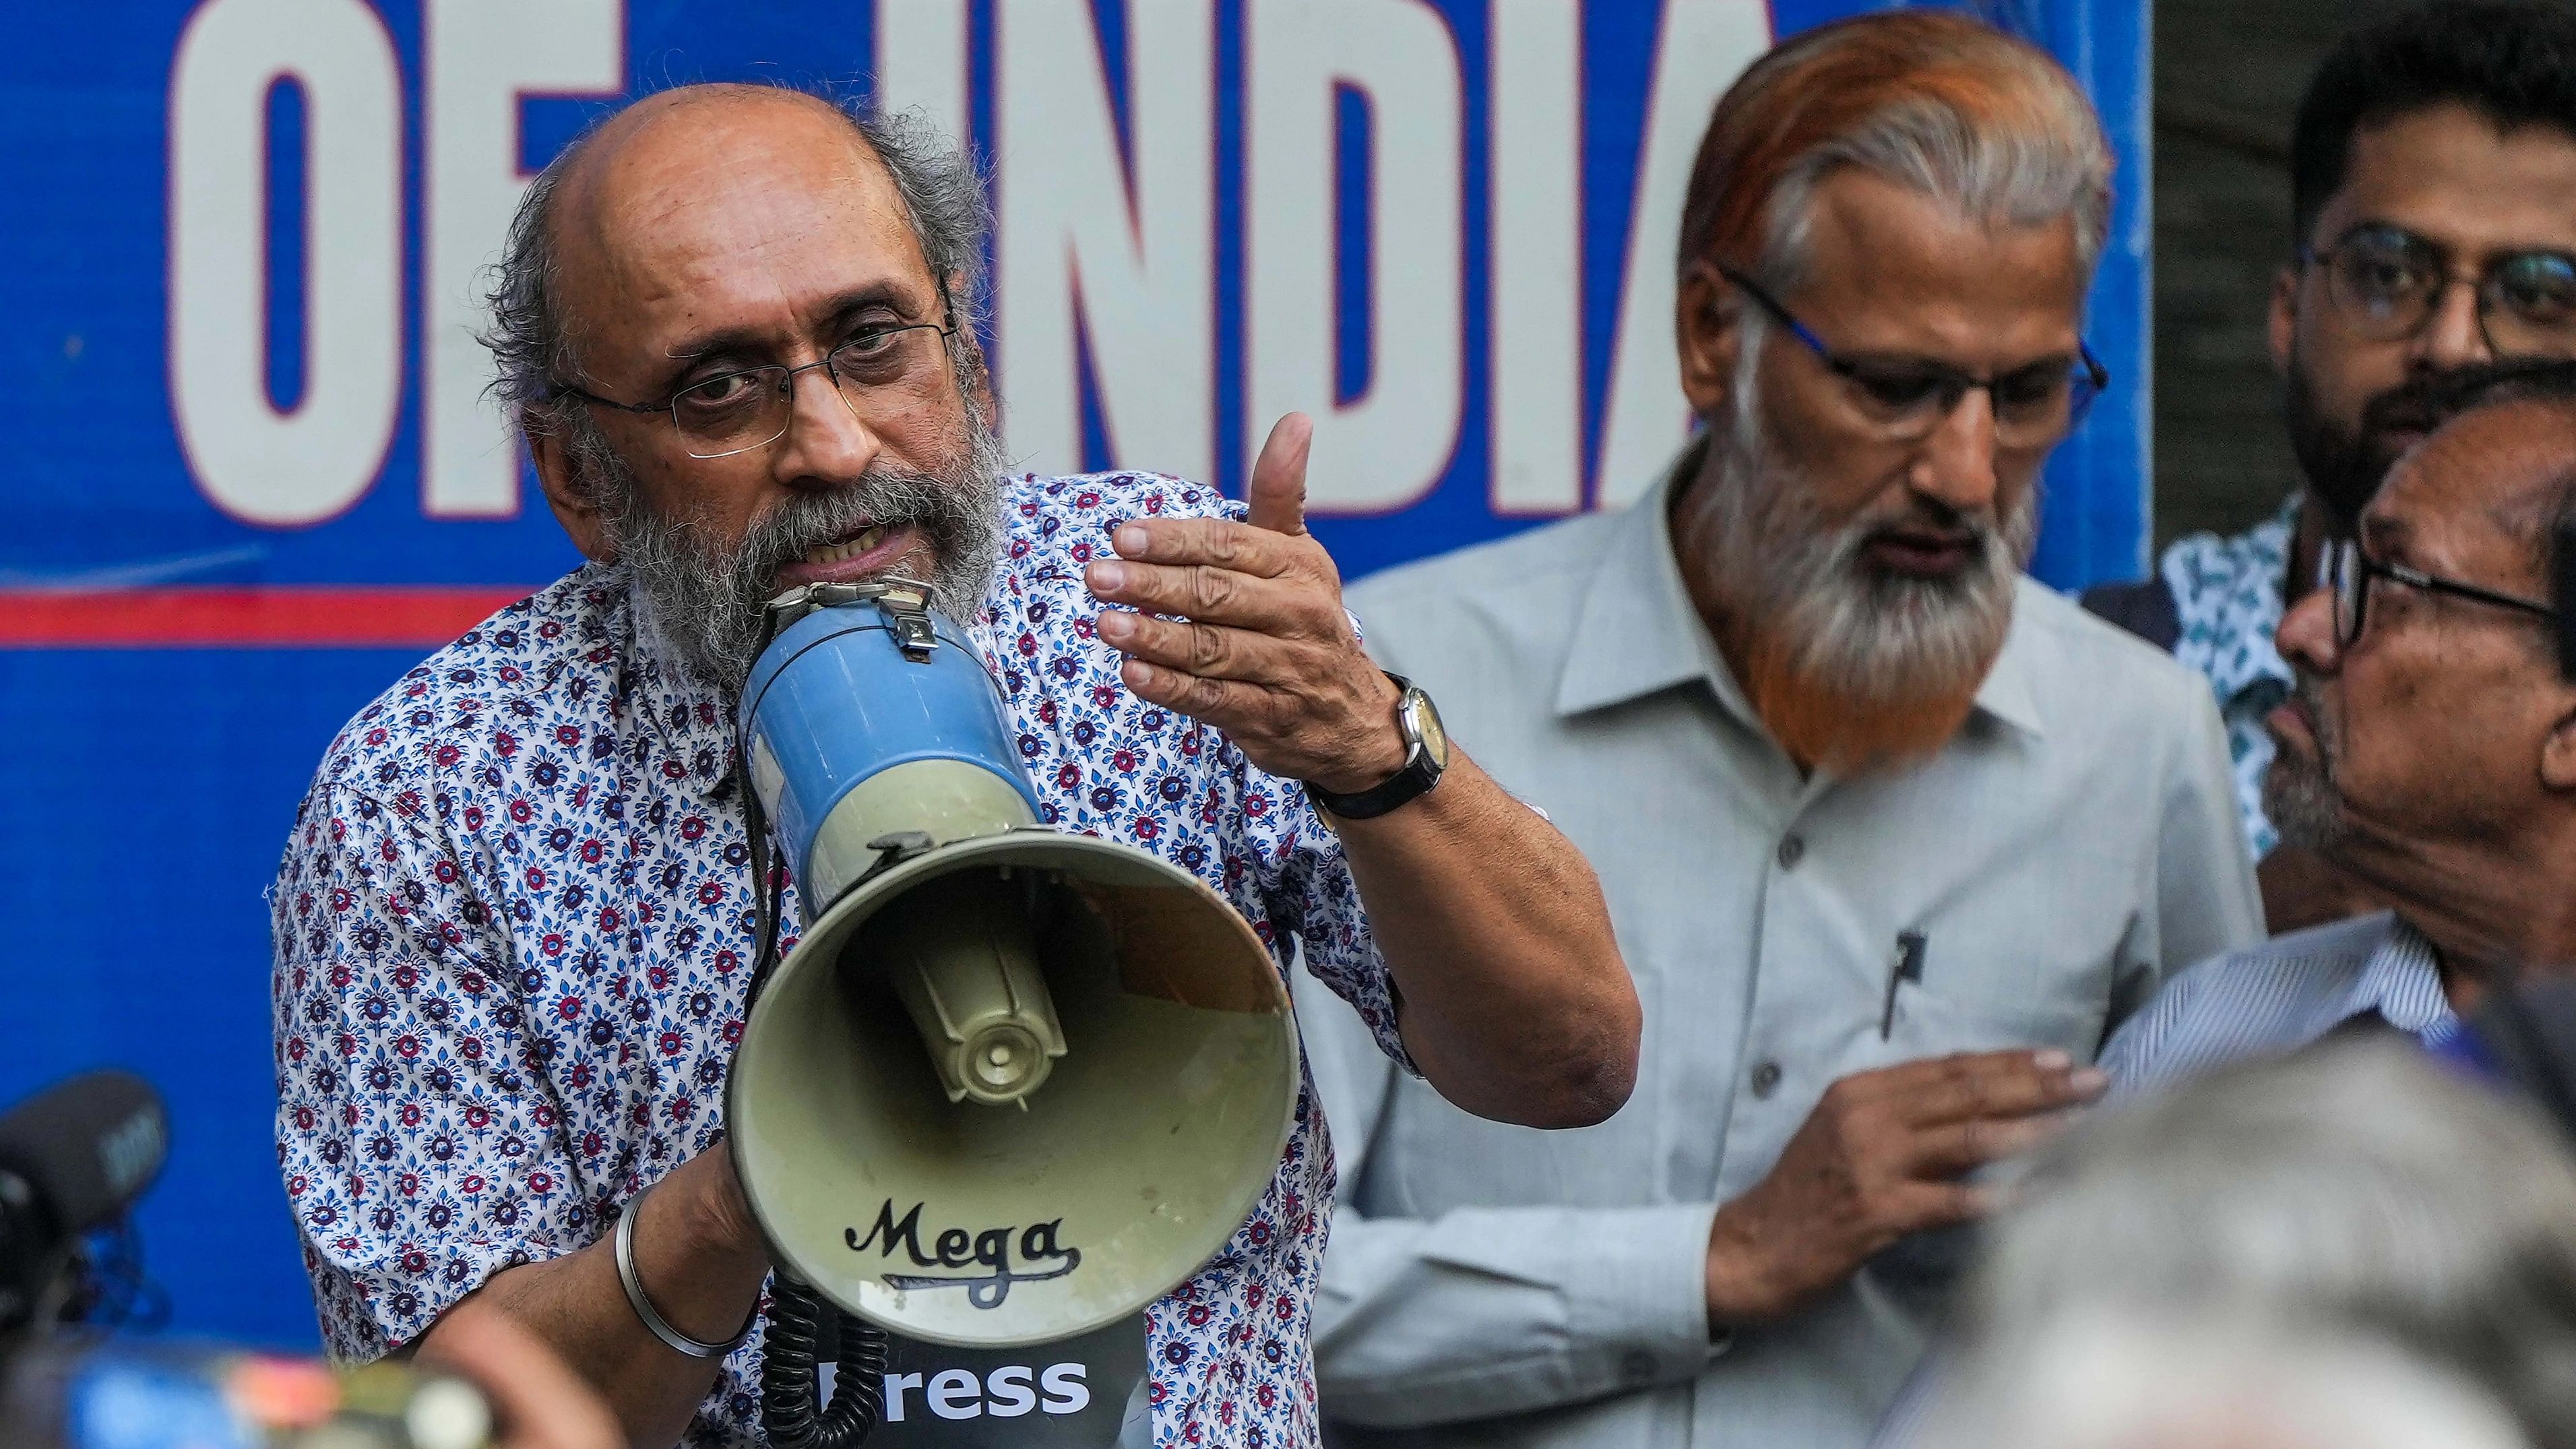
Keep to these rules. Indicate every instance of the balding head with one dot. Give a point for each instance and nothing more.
(737, 324)
(2533, 423)
(685, 203)
(2508, 467)
(689, 139)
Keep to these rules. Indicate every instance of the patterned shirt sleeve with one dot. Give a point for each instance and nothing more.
(418, 1157)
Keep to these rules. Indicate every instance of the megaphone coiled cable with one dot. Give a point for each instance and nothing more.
(791, 1410)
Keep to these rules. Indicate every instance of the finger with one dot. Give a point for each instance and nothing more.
(1231, 705)
(1213, 542)
(1201, 649)
(2000, 1084)
(1221, 596)
(1906, 1083)
(1278, 492)
(1956, 1147)
(1922, 1206)
(541, 1403)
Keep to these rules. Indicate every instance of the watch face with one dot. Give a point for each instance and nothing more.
(1424, 717)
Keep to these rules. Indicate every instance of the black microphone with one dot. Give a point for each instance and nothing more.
(73, 1158)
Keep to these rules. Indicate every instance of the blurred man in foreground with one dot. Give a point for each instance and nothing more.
(2429, 750)
(514, 925)
(2345, 1249)
(1892, 837)
(2431, 167)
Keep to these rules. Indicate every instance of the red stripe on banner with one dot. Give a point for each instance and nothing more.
(261, 618)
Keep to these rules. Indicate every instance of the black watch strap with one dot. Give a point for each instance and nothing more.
(1411, 780)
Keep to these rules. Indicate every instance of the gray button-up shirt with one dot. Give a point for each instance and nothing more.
(1494, 1285)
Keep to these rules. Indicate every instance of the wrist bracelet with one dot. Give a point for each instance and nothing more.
(673, 1338)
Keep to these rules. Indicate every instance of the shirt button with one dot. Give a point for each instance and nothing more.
(1637, 1366)
(1766, 1079)
(1792, 850)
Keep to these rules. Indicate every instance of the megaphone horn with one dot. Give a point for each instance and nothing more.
(1012, 1084)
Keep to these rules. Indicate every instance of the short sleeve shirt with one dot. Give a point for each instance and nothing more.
(513, 929)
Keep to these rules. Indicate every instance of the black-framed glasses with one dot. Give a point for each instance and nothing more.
(2386, 282)
(2344, 568)
(1904, 399)
(735, 412)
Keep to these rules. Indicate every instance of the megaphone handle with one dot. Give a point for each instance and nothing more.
(790, 1414)
(765, 883)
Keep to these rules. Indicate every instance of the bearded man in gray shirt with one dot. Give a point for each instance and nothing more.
(1892, 837)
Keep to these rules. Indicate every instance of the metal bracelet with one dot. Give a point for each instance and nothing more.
(677, 1341)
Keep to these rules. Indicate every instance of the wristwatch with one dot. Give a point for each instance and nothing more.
(1426, 754)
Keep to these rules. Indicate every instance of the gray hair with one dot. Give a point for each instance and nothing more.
(1930, 149)
(2357, 1187)
(1943, 105)
(2119, 1381)
(531, 340)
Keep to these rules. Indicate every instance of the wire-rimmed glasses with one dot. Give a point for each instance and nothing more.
(2344, 568)
(2386, 282)
(1904, 399)
(751, 407)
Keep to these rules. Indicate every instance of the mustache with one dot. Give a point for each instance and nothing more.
(2310, 693)
(883, 497)
(1920, 515)
(708, 593)
(2411, 406)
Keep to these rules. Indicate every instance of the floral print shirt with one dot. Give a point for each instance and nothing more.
(2227, 596)
(513, 930)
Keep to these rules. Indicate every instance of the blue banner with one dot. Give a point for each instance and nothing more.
(253, 474)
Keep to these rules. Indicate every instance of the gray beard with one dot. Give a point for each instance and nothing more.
(2299, 794)
(707, 601)
(1868, 636)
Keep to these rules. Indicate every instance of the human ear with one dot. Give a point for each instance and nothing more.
(2283, 325)
(1706, 324)
(574, 505)
(2558, 752)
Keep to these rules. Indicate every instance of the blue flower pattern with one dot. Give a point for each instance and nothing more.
(513, 928)
(2227, 594)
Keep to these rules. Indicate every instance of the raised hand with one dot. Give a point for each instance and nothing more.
(1261, 647)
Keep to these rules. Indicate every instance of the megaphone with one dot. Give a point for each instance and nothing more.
(1012, 1084)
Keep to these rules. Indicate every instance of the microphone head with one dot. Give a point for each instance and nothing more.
(87, 1147)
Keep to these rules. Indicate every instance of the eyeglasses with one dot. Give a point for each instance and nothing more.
(2344, 568)
(1904, 400)
(2386, 283)
(881, 368)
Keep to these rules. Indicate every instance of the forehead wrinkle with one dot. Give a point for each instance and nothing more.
(2485, 478)
(692, 193)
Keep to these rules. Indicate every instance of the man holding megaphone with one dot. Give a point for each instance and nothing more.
(1047, 761)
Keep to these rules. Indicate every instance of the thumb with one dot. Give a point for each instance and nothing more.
(1278, 491)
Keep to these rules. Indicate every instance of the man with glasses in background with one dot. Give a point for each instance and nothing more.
(2428, 748)
(1892, 836)
(2433, 203)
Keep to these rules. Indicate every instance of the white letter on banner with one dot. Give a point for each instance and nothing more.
(1537, 340)
(1386, 449)
(483, 55)
(285, 470)
(1081, 249)
(922, 60)
(1704, 45)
